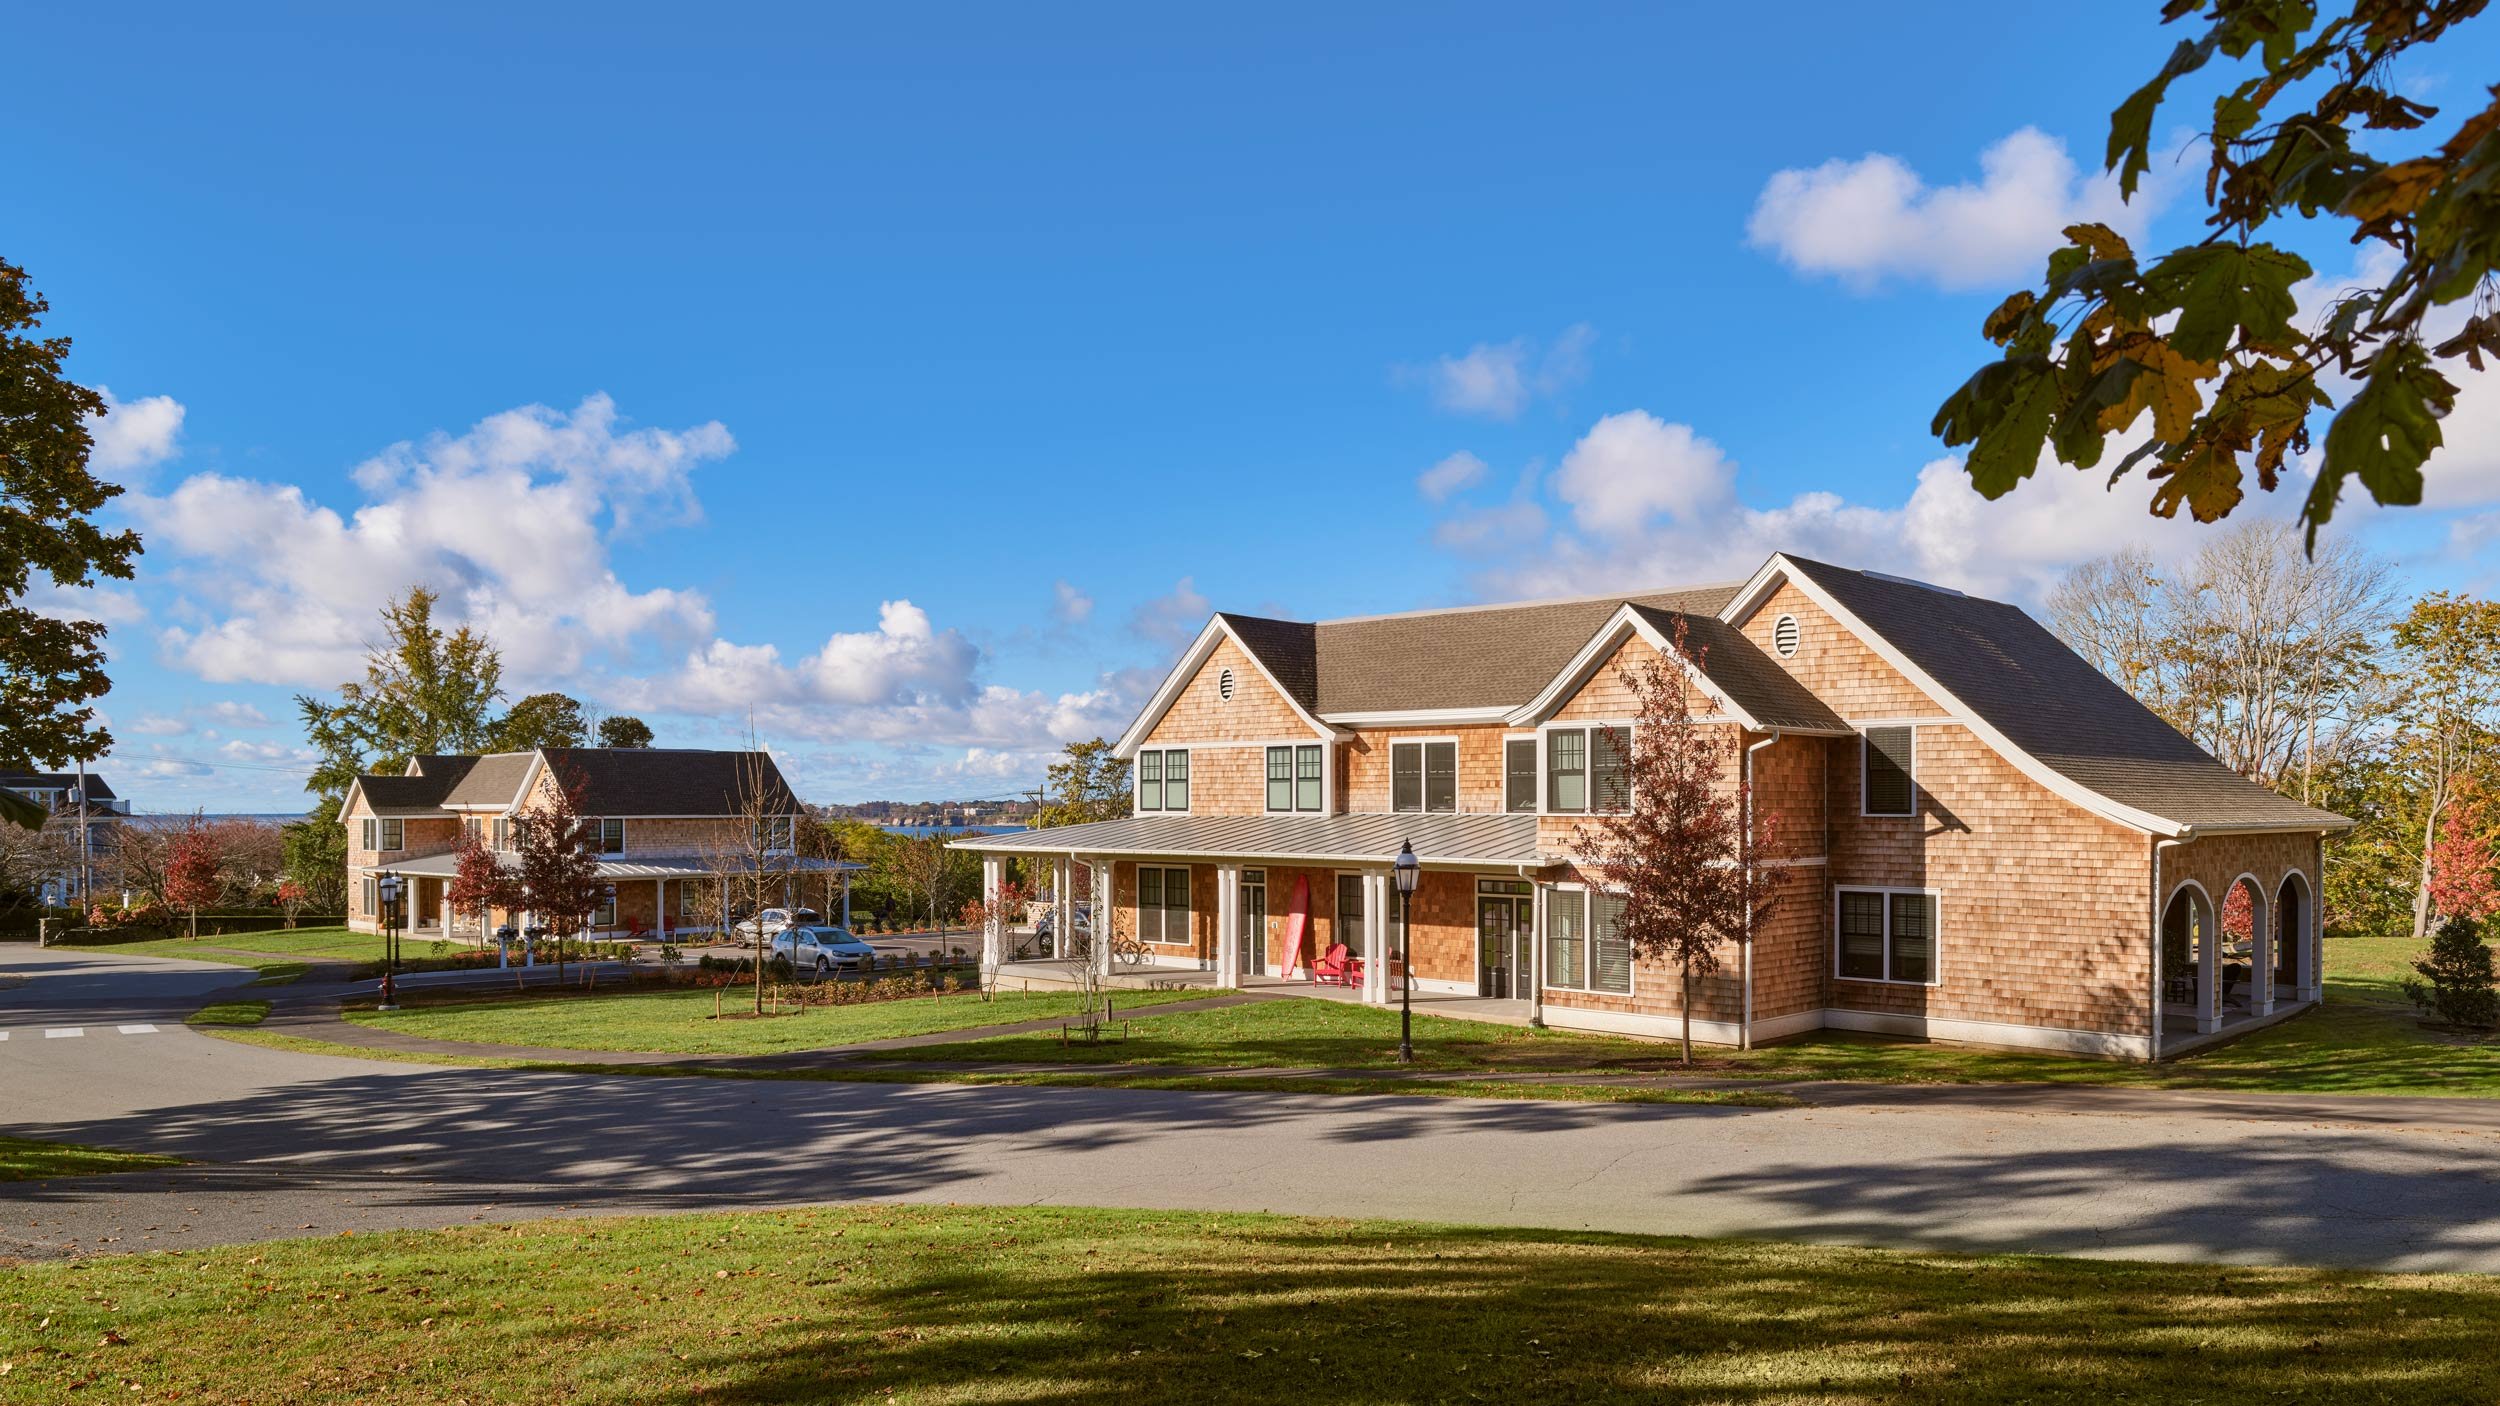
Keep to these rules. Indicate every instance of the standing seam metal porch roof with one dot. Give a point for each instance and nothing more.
(1505, 839)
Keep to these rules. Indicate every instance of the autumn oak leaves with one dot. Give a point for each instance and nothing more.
(2203, 337)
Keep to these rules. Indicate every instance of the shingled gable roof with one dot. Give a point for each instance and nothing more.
(633, 781)
(2046, 709)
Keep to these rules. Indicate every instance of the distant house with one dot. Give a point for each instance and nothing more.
(59, 791)
(2000, 845)
(661, 819)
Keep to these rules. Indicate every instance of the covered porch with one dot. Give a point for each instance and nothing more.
(1259, 902)
(653, 895)
(2228, 969)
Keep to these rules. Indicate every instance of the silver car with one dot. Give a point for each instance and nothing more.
(775, 919)
(822, 950)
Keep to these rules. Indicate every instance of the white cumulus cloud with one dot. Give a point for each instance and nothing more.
(1866, 220)
(1632, 466)
(133, 435)
(1499, 379)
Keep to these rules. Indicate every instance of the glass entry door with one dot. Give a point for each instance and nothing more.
(1505, 918)
(1254, 922)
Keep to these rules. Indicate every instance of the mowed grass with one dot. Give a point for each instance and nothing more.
(932, 1305)
(2366, 1040)
(682, 1021)
(230, 1013)
(267, 951)
(24, 1159)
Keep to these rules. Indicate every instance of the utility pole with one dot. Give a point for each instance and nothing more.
(85, 876)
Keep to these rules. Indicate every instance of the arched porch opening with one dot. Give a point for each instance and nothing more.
(2246, 973)
(2295, 961)
(2189, 958)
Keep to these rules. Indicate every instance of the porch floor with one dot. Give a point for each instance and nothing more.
(2178, 1025)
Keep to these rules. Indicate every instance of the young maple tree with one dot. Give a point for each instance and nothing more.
(191, 867)
(1694, 862)
(480, 883)
(2465, 857)
(559, 878)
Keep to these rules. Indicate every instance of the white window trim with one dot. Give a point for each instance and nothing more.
(1458, 797)
(1139, 903)
(383, 830)
(1588, 764)
(1137, 783)
(1936, 913)
(1866, 749)
(1294, 754)
(1536, 782)
(1588, 957)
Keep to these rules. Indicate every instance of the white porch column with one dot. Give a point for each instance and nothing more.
(2313, 945)
(993, 878)
(1376, 954)
(1062, 904)
(2208, 969)
(2261, 957)
(1227, 926)
(1105, 913)
(659, 909)
(1536, 955)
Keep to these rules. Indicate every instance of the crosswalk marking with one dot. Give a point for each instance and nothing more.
(70, 1033)
(138, 1030)
(74, 1032)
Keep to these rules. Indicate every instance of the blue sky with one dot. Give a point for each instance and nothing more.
(911, 379)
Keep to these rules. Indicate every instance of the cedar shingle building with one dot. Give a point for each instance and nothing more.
(2000, 845)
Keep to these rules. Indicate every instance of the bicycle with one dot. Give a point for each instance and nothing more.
(1129, 951)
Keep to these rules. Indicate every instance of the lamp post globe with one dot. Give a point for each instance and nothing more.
(1409, 871)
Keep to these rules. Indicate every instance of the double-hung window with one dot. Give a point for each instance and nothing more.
(386, 834)
(1588, 769)
(1519, 774)
(1350, 912)
(1585, 945)
(1293, 778)
(1423, 776)
(503, 832)
(1162, 904)
(371, 833)
(373, 904)
(1887, 935)
(1890, 756)
(1163, 780)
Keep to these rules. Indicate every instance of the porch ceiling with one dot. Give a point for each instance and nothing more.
(1341, 839)
(447, 864)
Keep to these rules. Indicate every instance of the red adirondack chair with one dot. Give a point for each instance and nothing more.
(1338, 967)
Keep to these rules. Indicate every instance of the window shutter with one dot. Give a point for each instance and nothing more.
(1890, 756)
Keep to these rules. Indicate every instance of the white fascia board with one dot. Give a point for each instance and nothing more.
(347, 802)
(1418, 717)
(1192, 660)
(2054, 781)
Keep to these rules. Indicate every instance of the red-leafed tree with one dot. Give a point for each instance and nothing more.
(480, 884)
(559, 878)
(2465, 858)
(191, 869)
(1695, 864)
(290, 899)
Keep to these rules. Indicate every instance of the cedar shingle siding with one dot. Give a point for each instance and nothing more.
(2037, 795)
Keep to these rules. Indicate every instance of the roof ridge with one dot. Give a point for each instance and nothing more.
(1625, 597)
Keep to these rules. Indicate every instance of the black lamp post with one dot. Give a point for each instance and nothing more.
(1408, 870)
(387, 888)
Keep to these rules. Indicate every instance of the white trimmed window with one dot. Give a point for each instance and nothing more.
(1423, 776)
(373, 903)
(503, 832)
(1888, 766)
(1886, 935)
(607, 836)
(386, 834)
(371, 832)
(1519, 775)
(1163, 780)
(1588, 769)
(1162, 904)
(1293, 778)
(1585, 948)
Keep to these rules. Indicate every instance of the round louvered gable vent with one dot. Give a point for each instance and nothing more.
(1224, 685)
(1784, 636)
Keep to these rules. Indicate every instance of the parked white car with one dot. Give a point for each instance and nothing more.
(822, 950)
(775, 919)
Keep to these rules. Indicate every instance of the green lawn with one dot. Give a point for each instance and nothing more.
(230, 1013)
(2365, 1040)
(682, 1021)
(24, 1159)
(266, 951)
(925, 1304)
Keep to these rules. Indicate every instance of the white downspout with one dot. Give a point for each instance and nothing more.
(1744, 1037)
(1536, 948)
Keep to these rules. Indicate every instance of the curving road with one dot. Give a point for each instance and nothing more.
(289, 1144)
